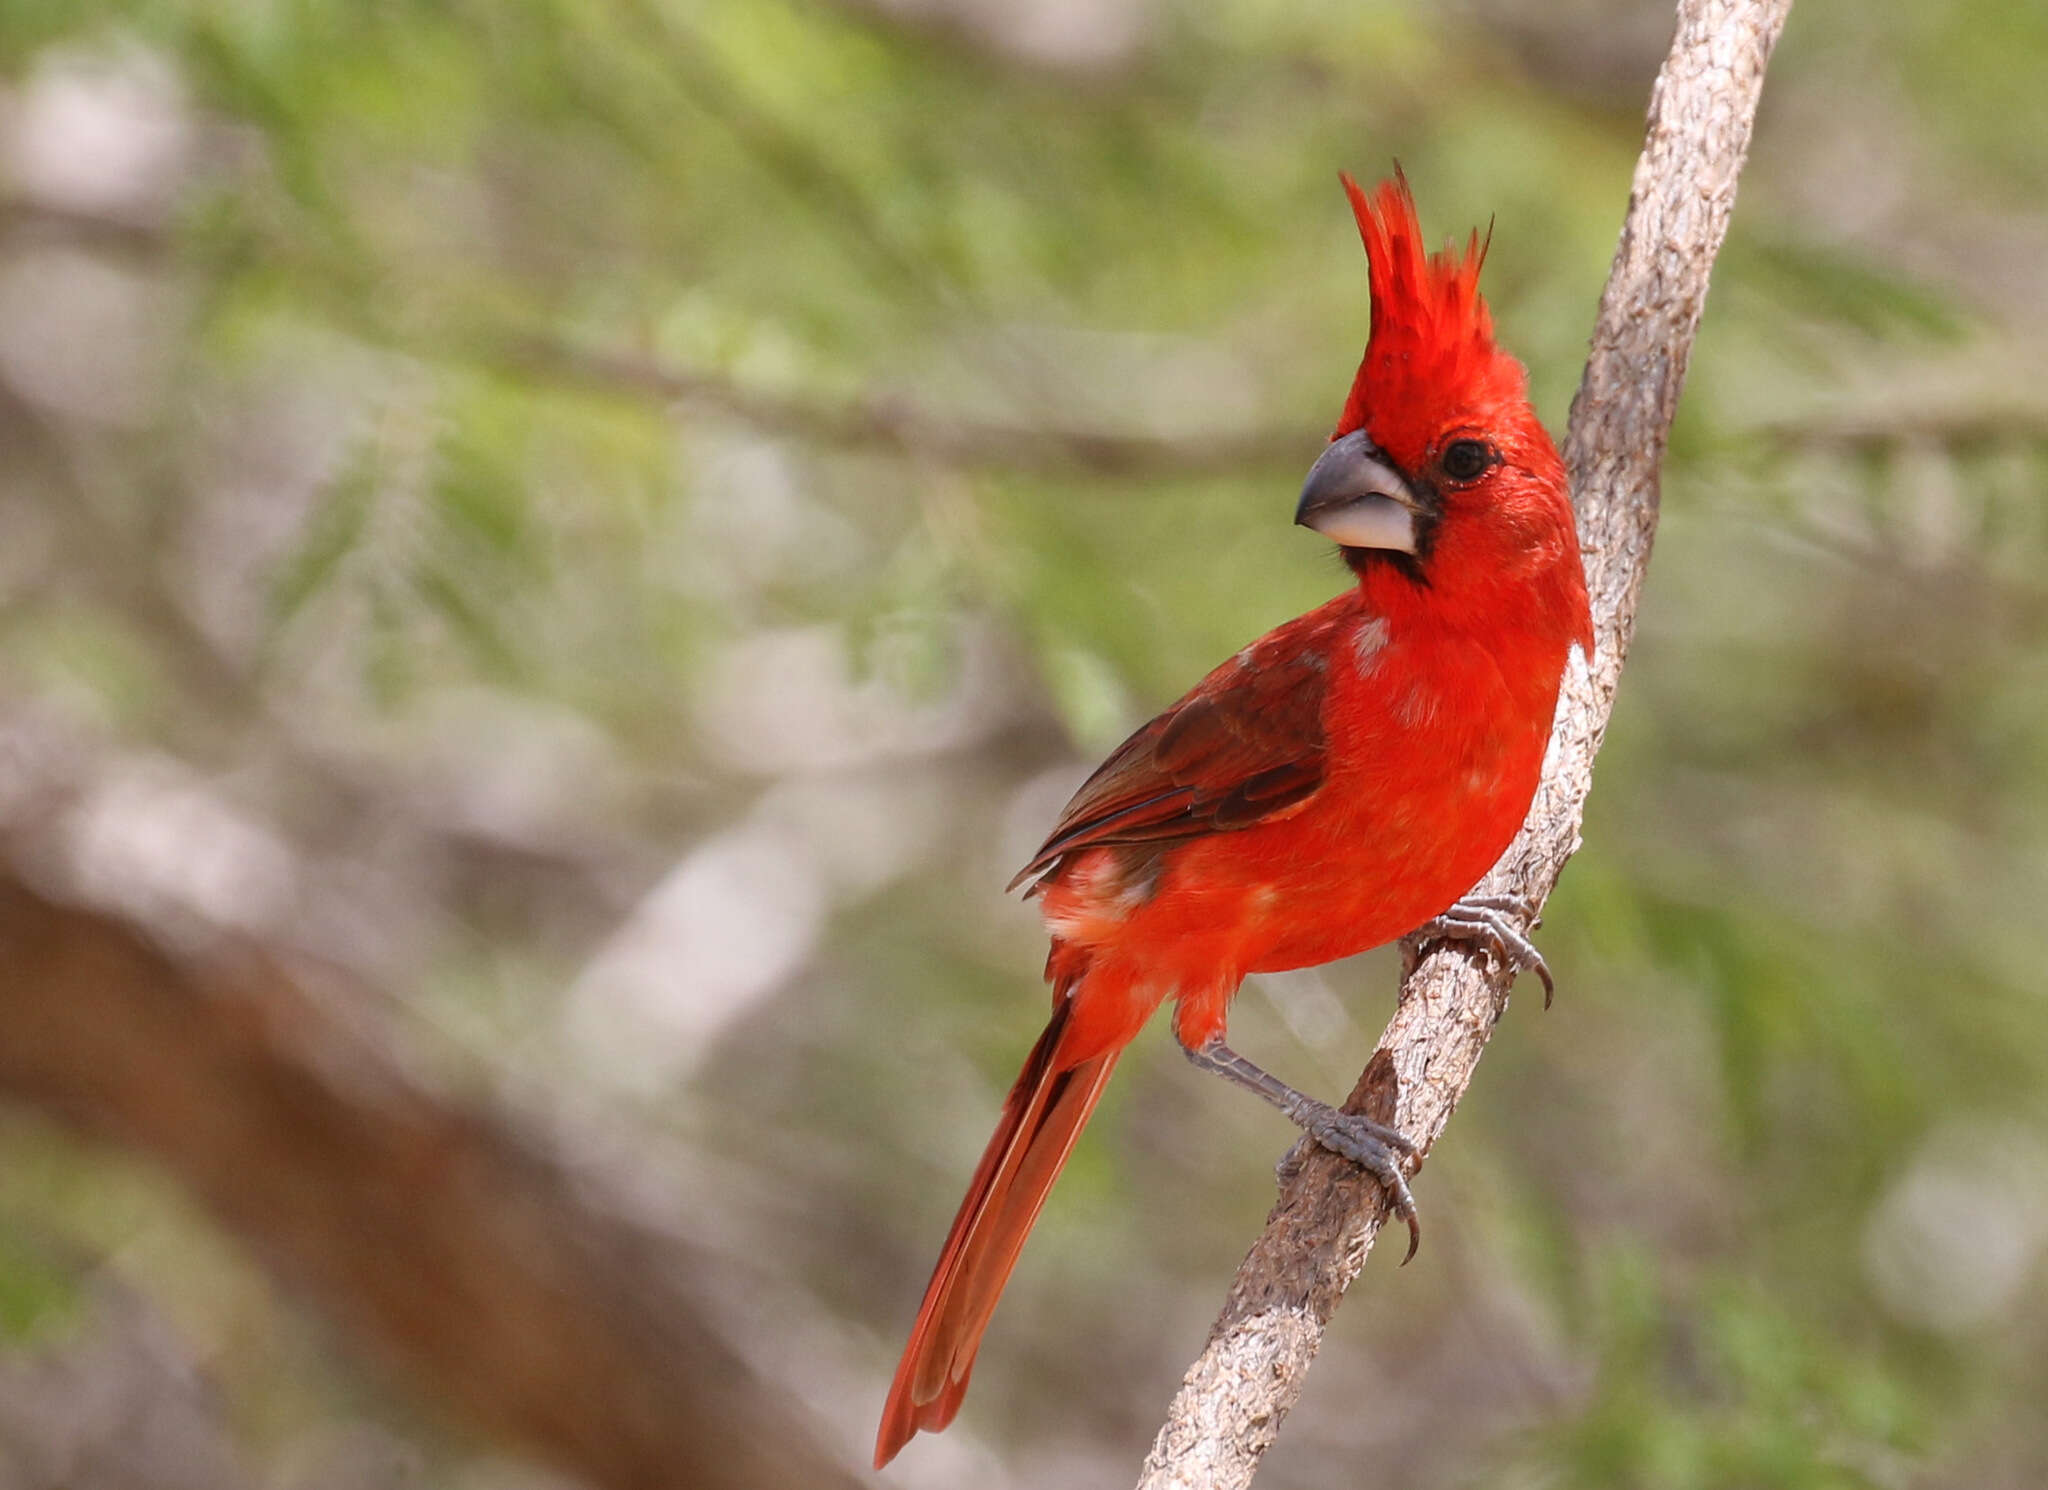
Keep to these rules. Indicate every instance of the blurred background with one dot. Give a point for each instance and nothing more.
(601, 532)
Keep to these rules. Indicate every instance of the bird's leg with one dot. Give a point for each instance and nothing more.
(1370, 1145)
(1495, 922)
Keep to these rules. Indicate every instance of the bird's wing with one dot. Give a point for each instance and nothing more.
(1246, 744)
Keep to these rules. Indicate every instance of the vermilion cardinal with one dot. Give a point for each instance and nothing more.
(1337, 784)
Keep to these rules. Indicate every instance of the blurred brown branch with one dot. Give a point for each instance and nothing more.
(1946, 426)
(885, 424)
(498, 1280)
(1316, 1240)
(897, 426)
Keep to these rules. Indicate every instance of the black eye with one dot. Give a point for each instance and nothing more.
(1464, 459)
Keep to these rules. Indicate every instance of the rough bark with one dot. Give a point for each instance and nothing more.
(503, 1283)
(1251, 1371)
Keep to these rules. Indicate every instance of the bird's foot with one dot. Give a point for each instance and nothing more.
(1373, 1147)
(1370, 1145)
(1492, 921)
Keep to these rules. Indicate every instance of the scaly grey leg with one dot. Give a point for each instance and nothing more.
(1370, 1145)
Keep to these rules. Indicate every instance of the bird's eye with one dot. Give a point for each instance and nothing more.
(1464, 459)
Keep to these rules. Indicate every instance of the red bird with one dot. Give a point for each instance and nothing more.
(1339, 783)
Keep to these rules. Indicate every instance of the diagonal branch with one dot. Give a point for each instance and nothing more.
(464, 1253)
(1251, 1372)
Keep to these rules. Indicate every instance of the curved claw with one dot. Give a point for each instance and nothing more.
(1369, 1144)
(1372, 1146)
(1491, 920)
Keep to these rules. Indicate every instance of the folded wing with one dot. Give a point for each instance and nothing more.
(1246, 745)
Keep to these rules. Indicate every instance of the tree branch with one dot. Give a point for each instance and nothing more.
(896, 426)
(1251, 1372)
(465, 1255)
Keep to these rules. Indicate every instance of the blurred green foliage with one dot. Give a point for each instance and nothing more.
(571, 439)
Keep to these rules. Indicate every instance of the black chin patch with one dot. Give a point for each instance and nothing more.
(1361, 560)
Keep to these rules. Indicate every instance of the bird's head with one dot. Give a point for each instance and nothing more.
(1438, 468)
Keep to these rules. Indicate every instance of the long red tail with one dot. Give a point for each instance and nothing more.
(1042, 1117)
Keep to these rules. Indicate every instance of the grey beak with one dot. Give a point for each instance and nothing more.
(1354, 497)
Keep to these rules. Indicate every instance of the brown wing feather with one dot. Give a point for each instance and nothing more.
(1247, 743)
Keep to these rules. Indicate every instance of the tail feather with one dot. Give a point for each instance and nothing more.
(1042, 1117)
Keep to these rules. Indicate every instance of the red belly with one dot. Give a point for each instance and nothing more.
(1427, 788)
